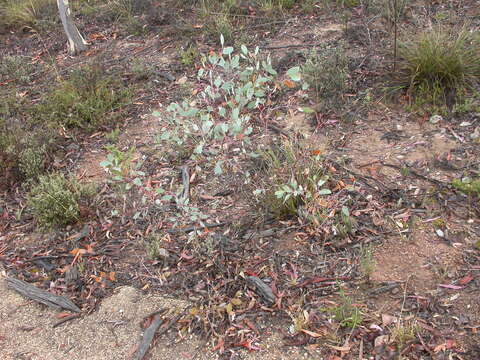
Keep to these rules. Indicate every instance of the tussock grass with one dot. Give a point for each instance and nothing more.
(439, 64)
(33, 13)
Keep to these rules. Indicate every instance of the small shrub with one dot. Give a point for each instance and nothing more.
(32, 161)
(326, 72)
(188, 56)
(438, 65)
(294, 181)
(24, 150)
(55, 200)
(16, 68)
(236, 85)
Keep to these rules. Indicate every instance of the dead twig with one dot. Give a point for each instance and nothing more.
(186, 184)
(65, 319)
(195, 228)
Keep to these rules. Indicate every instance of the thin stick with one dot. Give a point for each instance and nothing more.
(65, 319)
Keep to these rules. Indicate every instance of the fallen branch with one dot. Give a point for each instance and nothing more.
(32, 292)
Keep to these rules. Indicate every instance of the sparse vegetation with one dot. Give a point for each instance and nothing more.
(16, 69)
(88, 99)
(216, 184)
(295, 181)
(326, 72)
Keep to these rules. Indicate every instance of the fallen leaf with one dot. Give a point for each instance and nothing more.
(449, 286)
(465, 280)
(312, 333)
(63, 315)
(289, 83)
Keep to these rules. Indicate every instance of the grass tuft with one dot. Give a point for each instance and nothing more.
(33, 13)
(439, 65)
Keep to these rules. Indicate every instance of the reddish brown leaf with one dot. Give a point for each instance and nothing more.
(465, 280)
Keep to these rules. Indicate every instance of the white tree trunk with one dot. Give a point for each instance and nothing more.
(76, 43)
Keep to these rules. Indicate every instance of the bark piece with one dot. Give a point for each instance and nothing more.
(261, 289)
(148, 337)
(32, 292)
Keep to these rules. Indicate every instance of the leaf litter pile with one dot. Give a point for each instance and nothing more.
(250, 225)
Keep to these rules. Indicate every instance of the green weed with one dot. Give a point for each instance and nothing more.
(367, 261)
(346, 313)
(188, 56)
(468, 186)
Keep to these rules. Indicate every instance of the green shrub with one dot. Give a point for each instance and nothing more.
(439, 64)
(32, 161)
(467, 186)
(326, 72)
(88, 99)
(55, 200)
